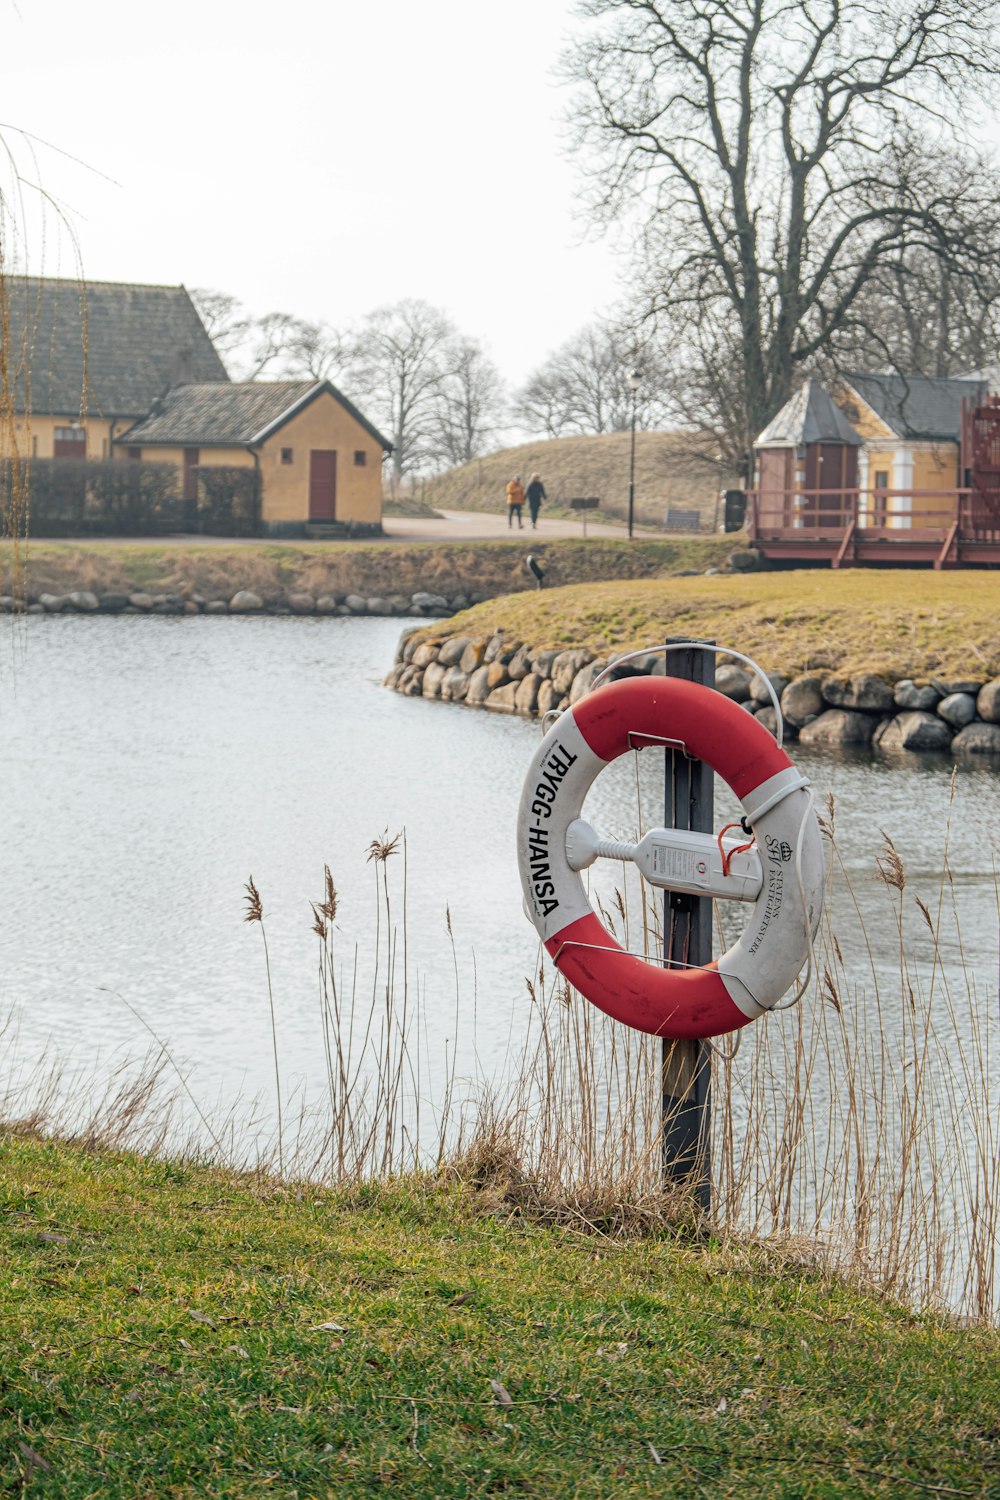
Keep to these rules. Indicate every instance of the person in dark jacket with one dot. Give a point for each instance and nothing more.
(535, 494)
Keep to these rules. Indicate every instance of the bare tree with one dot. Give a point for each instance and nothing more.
(277, 345)
(398, 367)
(765, 151)
(226, 320)
(470, 403)
(584, 386)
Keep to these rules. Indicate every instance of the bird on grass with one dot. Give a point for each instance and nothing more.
(538, 573)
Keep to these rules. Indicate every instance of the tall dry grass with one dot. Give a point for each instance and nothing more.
(862, 1123)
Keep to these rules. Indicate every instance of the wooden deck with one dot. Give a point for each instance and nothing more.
(876, 528)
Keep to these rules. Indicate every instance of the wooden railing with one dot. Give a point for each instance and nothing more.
(874, 512)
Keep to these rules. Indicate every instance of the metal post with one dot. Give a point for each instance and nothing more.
(687, 928)
(631, 468)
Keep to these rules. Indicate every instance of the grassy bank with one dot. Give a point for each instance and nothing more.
(168, 1329)
(893, 621)
(217, 570)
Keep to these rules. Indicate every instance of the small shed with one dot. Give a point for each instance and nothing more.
(807, 458)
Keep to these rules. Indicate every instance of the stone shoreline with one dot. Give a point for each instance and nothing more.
(243, 602)
(503, 675)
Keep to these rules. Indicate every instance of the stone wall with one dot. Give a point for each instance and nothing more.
(508, 676)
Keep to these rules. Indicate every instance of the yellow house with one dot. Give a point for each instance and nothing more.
(910, 462)
(115, 371)
(86, 359)
(318, 460)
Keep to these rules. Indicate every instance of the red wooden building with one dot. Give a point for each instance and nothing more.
(913, 477)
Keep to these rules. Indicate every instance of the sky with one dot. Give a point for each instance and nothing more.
(321, 159)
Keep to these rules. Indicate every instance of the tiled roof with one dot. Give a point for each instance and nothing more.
(811, 416)
(236, 413)
(103, 347)
(916, 406)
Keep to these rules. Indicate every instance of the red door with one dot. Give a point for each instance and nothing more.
(322, 484)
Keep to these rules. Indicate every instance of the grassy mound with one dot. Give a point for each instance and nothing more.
(894, 622)
(668, 471)
(168, 1329)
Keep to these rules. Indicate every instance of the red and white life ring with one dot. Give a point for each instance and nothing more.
(761, 966)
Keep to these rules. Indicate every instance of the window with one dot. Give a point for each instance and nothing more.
(360, 458)
(133, 453)
(881, 479)
(287, 456)
(70, 442)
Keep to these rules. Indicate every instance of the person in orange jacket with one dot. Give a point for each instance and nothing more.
(515, 500)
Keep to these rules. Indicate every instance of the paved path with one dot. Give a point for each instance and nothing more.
(479, 526)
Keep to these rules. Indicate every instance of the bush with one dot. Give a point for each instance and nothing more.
(228, 500)
(124, 497)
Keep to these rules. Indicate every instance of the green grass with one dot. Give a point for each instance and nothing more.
(895, 622)
(173, 1330)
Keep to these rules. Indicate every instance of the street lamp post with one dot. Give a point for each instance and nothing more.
(634, 380)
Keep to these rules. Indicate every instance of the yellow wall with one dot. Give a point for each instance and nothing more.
(323, 424)
(36, 436)
(860, 415)
(162, 454)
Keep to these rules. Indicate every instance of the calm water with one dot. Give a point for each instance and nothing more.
(150, 766)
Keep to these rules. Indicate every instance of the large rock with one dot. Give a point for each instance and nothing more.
(768, 718)
(839, 726)
(919, 696)
(455, 685)
(394, 674)
(802, 701)
(913, 730)
(112, 604)
(326, 604)
(758, 688)
(83, 600)
(547, 697)
(53, 604)
(865, 691)
(376, 605)
(583, 681)
(733, 681)
(215, 607)
(494, 646)
(430, 604)
(452, 650)
(502, 699)
(356, 605)
(958, 709)
(479, 687)
(526, 696)
(565, 668)
(412, 682)
(425, 653)
(434, 676)
(542, 664)
(399, 604)
(243, 602)
(988, 702)
(472, 656)
(497, 674)
(977, 739)
(957, 685)
(520, 664)
(301, 604)
(144, 601)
